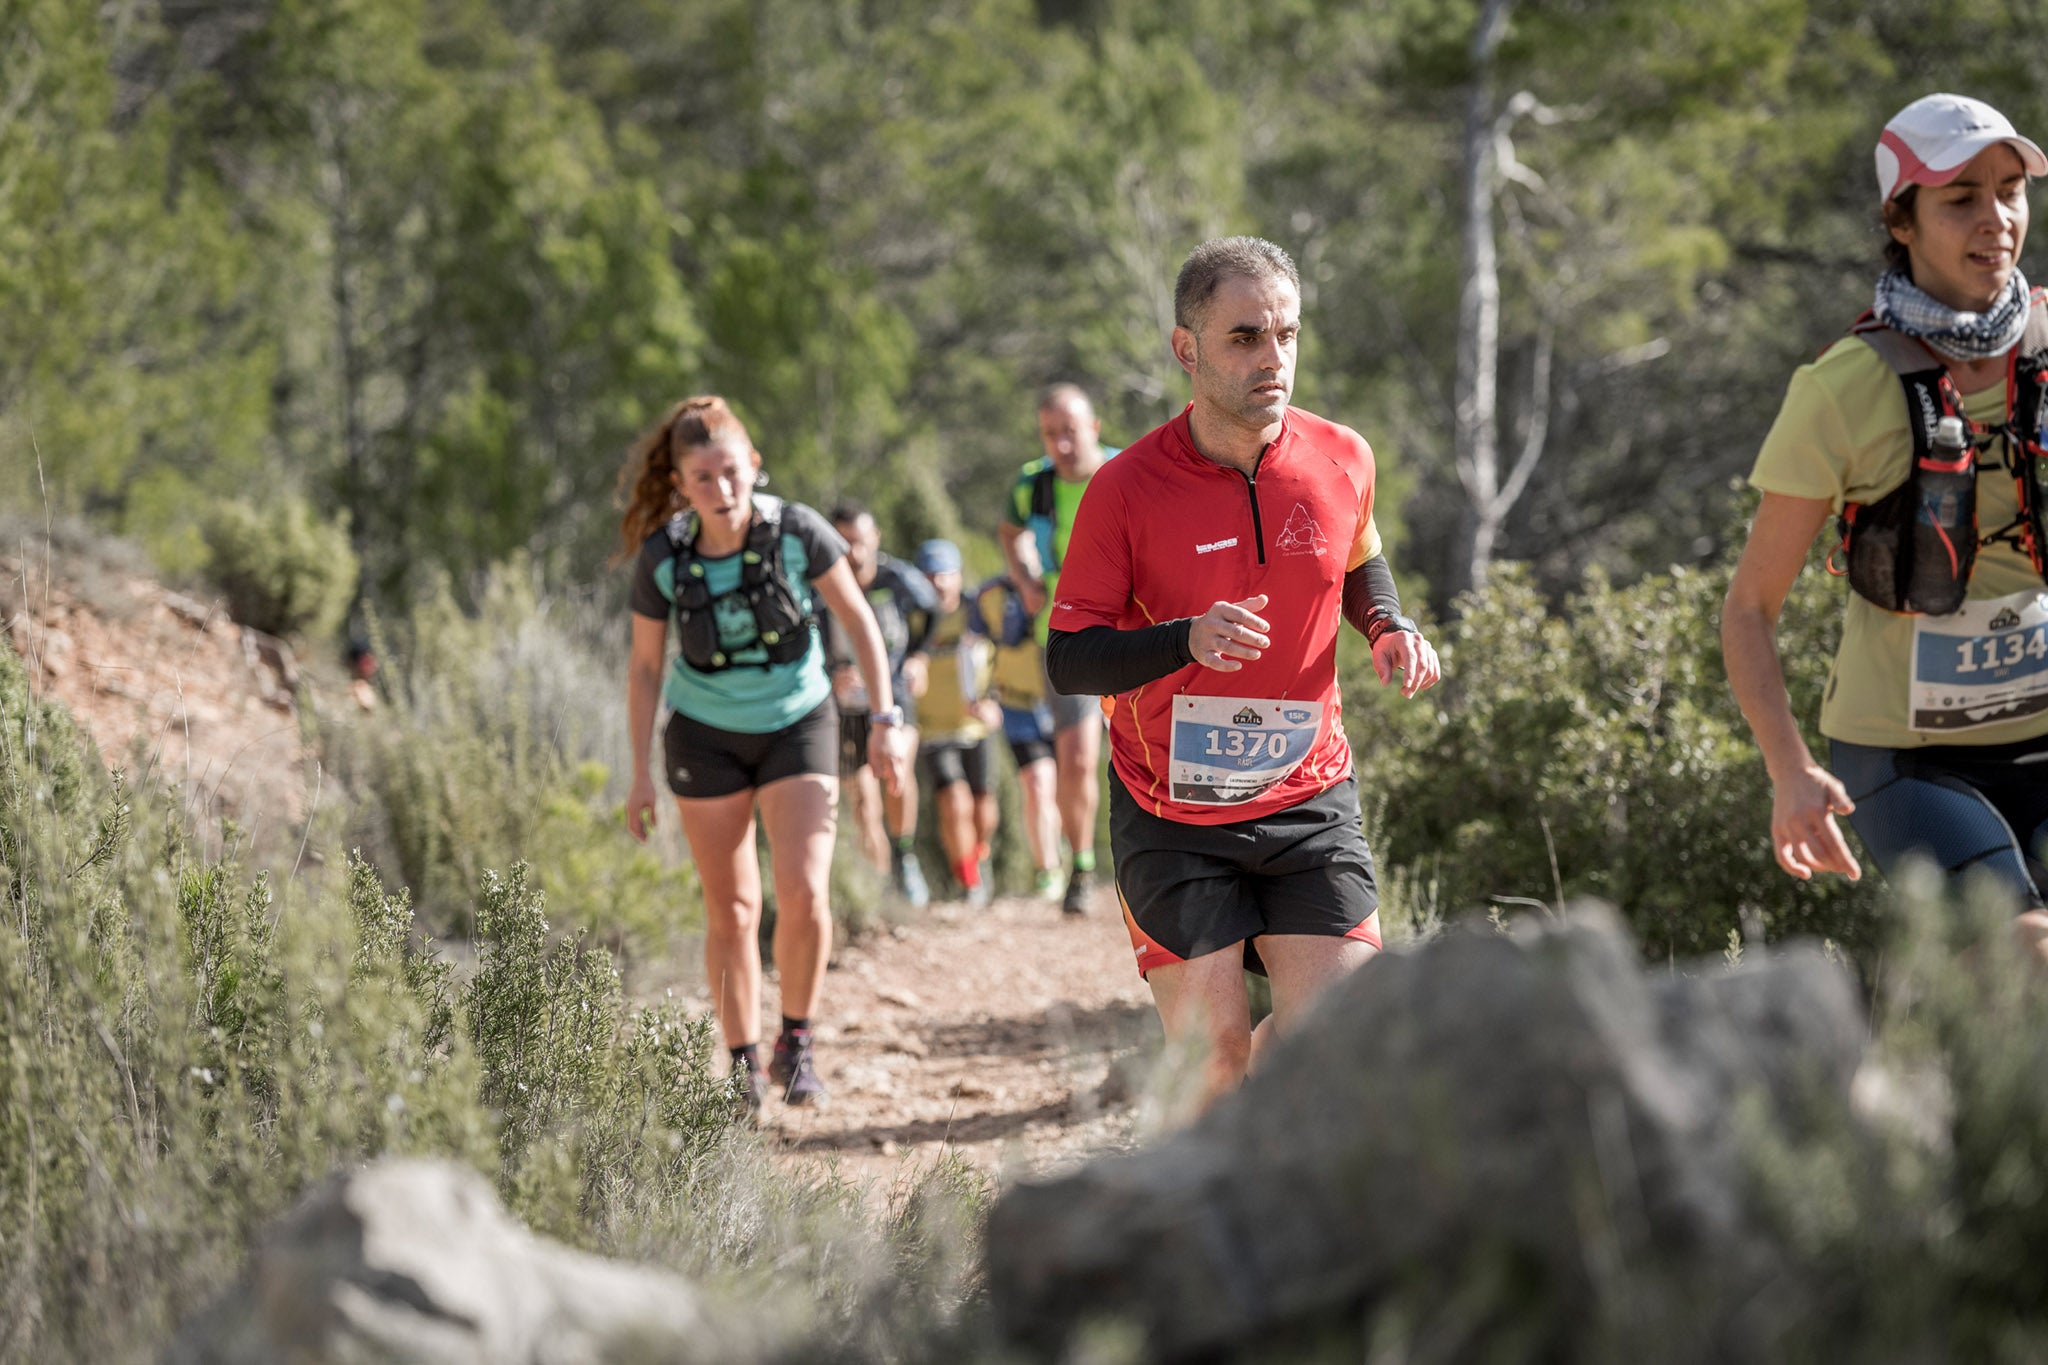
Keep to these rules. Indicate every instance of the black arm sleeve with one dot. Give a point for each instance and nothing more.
(1102, 659)
(1371, 603)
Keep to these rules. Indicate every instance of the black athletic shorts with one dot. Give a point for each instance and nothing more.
(1963, 805)
(947, 763)
(705, 761)
(1190, 890)
(1030, 751)
(853, 742)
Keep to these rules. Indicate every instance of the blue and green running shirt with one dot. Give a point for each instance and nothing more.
(750, 697)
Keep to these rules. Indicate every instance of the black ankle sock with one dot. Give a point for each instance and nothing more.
(747, 1055)
(902, 843)
(790, 1026)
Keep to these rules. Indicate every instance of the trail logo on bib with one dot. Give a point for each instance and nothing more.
(1982, 664)
(1301, 535)
(1230, 749)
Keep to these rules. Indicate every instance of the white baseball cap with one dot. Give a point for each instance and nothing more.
(1930, 141)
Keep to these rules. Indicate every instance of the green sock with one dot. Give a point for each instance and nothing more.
(1084, 860)
(902, 842)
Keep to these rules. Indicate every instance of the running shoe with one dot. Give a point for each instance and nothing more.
(1048, 883)
(753, 1087)
(792, 1069)
(908, 876)
(978, 895)
(1079, 885)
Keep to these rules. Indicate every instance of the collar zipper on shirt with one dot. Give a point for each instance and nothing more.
(1251, 488)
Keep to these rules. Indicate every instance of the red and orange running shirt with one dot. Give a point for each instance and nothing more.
(1164, 532)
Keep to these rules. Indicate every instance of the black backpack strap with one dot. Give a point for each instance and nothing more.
(1930, 394)
(682, 537)
(1043, 494)
(762, 555)
(2027, 437)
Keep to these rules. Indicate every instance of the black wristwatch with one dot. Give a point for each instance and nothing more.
(1393, 620)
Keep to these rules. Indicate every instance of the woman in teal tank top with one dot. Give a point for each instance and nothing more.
(753, 725)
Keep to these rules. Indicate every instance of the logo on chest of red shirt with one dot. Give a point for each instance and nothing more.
(1300, 535)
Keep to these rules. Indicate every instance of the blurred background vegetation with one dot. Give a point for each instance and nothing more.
(428, 264)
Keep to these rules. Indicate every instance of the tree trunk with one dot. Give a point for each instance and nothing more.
(1476, 431)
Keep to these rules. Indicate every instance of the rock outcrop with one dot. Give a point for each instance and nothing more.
(1512, 1146)
(417, 1263)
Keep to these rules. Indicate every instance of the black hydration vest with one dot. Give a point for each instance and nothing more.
(782, 628)
(1913, 549)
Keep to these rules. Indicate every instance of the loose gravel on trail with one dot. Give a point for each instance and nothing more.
(1012, 1035)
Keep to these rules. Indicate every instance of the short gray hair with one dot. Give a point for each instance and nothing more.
(1221, 258)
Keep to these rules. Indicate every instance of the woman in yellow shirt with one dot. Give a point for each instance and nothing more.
(1937, 720)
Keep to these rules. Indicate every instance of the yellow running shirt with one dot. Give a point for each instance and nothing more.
(1842, 435)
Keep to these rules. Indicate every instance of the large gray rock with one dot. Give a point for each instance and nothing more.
(416, 1261)
(1531, 1123)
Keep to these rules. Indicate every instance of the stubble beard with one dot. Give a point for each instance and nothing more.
(1241, 407)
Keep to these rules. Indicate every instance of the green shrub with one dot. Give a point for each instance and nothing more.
(282, 569)
(504, 741)
(184, 1048)
(1597, 750)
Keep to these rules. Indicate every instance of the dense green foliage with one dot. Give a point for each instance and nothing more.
(280, 568)
(184, 1047)
(496, 744)
(432, 262)
(1596, 750)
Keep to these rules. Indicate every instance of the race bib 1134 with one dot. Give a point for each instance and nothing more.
(1985, 663)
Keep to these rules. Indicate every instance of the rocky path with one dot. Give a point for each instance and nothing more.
(1012, 1035)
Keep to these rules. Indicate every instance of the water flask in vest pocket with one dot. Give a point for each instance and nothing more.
(1912, 550)
(1944, 521)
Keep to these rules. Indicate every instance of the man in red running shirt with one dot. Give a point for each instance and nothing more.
(1203, 584)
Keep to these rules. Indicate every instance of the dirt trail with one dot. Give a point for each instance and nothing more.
(1013, 1035)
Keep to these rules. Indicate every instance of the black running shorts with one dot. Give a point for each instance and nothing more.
(1190, 890)
(945, 764)
(1963, 805)
(1029, 751)
(705, 761)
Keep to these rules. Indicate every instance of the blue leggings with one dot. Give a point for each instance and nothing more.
(1963, 806)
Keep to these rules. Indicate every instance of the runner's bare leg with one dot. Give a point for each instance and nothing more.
(1078, 750)
(721, 834)
(800, 813)
(1203, 1005)
(1301, 967)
